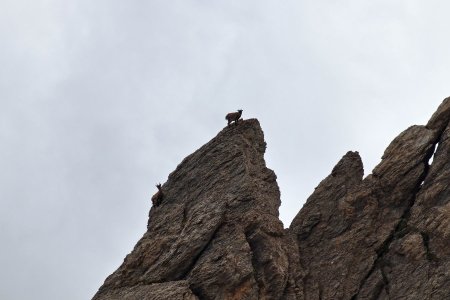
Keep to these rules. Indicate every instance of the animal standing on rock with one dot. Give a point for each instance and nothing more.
(233, 117)
(157, 198)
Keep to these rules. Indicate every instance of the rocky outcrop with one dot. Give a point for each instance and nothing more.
(217, 227)
(217, 235)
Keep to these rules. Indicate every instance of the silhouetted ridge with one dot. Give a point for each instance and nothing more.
(216, 233)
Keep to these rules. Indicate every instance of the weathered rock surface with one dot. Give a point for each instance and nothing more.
(175, 290)
(216, 234)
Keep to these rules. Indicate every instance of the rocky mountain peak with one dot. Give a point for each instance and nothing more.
(216, 233)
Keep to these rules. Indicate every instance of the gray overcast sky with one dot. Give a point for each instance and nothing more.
(102, 99)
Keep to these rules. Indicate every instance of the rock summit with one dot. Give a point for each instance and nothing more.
(217, 235)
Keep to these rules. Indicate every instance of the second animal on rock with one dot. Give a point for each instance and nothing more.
(233, 117)
(157, 198)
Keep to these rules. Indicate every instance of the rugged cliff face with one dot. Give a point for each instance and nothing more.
(216, 234)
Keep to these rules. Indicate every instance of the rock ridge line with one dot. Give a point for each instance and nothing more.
(217, 233)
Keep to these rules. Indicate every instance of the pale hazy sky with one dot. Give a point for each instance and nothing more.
(102, 99)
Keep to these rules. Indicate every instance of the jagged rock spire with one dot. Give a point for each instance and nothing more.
(216, 234)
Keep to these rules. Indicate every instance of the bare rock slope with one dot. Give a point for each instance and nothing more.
(217, 235)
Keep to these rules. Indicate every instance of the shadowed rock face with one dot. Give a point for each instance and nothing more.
(217, 235)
